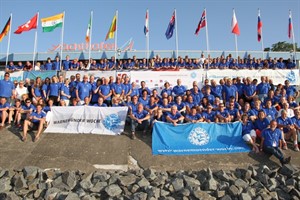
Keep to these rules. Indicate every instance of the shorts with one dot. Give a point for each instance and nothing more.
(247, 137)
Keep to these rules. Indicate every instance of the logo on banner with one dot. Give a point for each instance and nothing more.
(291, 76)
(193, 75)
(198, 136)
(111, 122)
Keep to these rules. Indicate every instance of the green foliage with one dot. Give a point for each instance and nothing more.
(282, 46)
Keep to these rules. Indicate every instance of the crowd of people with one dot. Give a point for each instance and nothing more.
(156, 63)
(262, 107)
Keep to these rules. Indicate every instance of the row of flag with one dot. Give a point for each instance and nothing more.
(50, 23)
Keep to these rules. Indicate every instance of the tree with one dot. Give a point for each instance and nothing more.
(282, 46)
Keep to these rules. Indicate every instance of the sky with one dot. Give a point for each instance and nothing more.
(131, 20)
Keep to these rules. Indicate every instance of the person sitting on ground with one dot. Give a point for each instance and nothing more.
(139, 120)
(193, 116)
(223, 115)
(261, 123)
(248, 132)
(100, 103)
(174, 116)
(5, 112)
(270, 142)
(35, 121)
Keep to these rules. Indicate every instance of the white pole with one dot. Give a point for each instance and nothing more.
(90, 45)
(176, 40)
(207, 41)
(236, 48)
(262, 38)
(293, 37)
(35, 40)
(62, 41)
(147, 38)
(116, 37)
(8, 42)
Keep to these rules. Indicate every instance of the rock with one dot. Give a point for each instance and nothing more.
(5, 184)
(58, 183)
(288, 170)
(51, 174)
(33, 185)
(164, 193)
(9, 196)
(140, 196)
(160, 180)
(211, 184)
(233, 190)
(30, 172)
(221, 175)
(291, 182)
(281, 179)
(282, 194)
(2, 173)
(273, 195)
(19, 182)
(203, 195)
(263, 178)
(113, 179)
(37, 193)
(240, 183)
(220, 193)
(185, 192)
(245, 196)
(191, 182)
(98, 187)
(69, 179)
(88, 197)
(86, 183)
(150, 174)
(113, 190)
(72, 196)
(143, 182)
(248, 175)
(223, 185)
(177, 184)
(226, 197)
(295, 192)
(127, 180)
(100, 176)
(134, 188)
(153, 192)
(51, 193)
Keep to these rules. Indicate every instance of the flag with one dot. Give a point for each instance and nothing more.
(50, 23)
(290, 26)
(88, 31)
(202, 23)
(31, 24)
(259, 27)
(5, 29)
(146, 27)
(171, 27)
(112, 29)
(234, 25)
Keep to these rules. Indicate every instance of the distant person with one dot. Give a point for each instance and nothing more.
(139, 120)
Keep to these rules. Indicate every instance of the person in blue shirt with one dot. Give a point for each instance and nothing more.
(65, 92)
(216, 89)
(74, 65)
(35, 121)
(48, 65)
(56, 64)
(222, 115)
(248, 133)
(290, 64)
(94, 65)
(229, 90)
(286, 125)
(111, 64)
(209, 115)
(10, 67)
(100, 103)
(233, 112)
(36, 90)
(105, 92)
(152, 108)
(144, 98)
(163, 108)
(118, 88)
(249, 90)
(174, 116)
(261, 123)
(127, 87)
(270, 142)
(189, 104)
(139, 120)
(5, 112)
(67, 63)
(7, 88)
(83, 89)
(263, 88)
(135, 90)
(45, 88)
(193, 116)
(54, 90)
(179, 90)
(290, 89)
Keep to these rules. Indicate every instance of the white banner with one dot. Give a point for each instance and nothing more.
(278, 76)
(13, 76)
(96, 74)
(156, 79)
(87, 119)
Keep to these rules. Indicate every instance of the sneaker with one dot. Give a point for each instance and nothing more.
(133, 137)
(296, 148)
(284, 147)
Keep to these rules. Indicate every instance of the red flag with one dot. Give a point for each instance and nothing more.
(202, 22)
(31, 24)
(290, 26)
(5, 29)
(234, 25)
(259, 27)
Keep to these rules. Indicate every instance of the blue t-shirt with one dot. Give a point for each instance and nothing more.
(174, 117)
(261, 124)
(246, 128)
(286, 121)
(102, 105)
(263, 88)
(118, 88)
(54, 89)
(48, 66)
(179, 90)
(84, 89)
(144, 101)
(210, 116)
(217, 91)
(296, 121)
(197, 116)
(140, 115)
(6, 88)
(66, 91)
(6, 105)
(38, 115)
(105, 90)
(271, 138)
(66, 65)
(229, 91)
(56, 65)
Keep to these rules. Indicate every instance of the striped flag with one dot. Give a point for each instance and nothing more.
(112, 29)
(290, 29)
(146, 27)
(50, 23)
(171, 27)
(88, 31)
(234, 25)
(5, 29)
(202, 23)
(259, 27)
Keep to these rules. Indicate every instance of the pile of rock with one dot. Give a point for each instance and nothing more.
(252, 183)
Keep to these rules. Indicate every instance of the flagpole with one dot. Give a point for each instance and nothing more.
(90, 42)
(147, 40)
(116, 37)
(293, 37)
(8, 42)
(176, 40)
(62, 41)
(206, 32)
(35, 40)
(262, 38)
(236, 45)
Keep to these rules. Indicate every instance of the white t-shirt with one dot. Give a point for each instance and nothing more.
(21, 91)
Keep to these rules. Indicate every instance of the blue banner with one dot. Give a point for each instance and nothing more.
(42, 74)
(197, 138)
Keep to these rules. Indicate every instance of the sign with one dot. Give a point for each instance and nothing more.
(42, 74)
(197, 138)
(87, 119)
(13, 76)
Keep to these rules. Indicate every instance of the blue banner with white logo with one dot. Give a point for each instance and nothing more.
(197, 138)
(42, 74)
